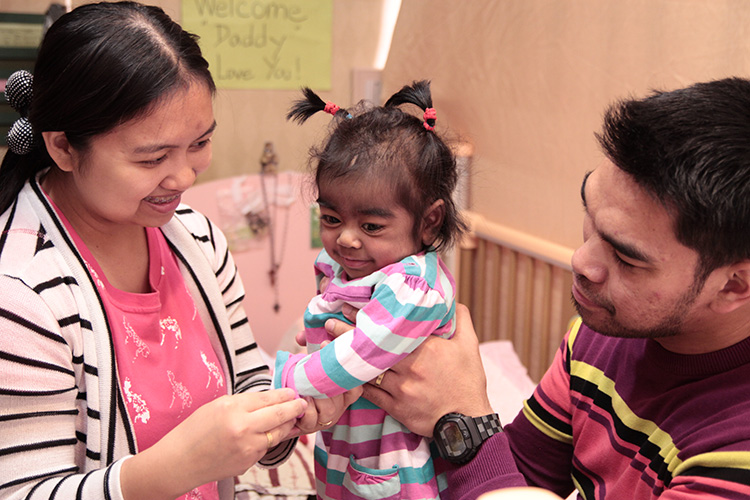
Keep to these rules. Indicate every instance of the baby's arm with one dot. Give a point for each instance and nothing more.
(402, 312)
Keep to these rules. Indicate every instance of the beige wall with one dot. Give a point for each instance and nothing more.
(527, 80)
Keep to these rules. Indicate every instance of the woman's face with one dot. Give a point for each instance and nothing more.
(135, 174)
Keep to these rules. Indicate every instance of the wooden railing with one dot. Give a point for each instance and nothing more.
(517, 287)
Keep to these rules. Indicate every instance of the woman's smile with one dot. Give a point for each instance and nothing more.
(164, 204)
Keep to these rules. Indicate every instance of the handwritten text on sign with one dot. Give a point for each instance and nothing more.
(263, 44)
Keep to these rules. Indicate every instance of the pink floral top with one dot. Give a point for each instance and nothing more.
(165, 363)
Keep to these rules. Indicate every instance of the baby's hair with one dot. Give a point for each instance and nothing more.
(311, 104)
(419, 95)
(390, 147)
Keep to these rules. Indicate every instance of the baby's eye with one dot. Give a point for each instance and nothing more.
(329, 220)
(371, 228)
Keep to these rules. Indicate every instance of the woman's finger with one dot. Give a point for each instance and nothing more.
(282, 432)
(252, 401)
(277, 414)
(307, 423)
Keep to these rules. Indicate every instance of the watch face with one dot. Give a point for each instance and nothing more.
(453, 438)
(458, 437)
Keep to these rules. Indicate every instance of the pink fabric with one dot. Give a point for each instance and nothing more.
(166, 365)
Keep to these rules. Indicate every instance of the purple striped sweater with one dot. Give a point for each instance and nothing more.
(626, 419)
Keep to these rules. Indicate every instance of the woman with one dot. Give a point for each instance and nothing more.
(122, 336)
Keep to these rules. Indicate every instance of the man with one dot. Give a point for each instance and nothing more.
(650, 395)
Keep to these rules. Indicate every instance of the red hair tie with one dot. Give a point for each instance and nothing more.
(331, 108)
(429, 114)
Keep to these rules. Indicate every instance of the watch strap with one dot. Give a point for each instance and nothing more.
(488, 425)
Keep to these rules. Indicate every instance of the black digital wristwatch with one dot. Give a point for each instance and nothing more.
(458, 437)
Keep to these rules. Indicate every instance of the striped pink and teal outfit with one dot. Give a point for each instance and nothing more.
(368, 454)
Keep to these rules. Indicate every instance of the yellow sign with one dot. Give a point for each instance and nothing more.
(264, 44)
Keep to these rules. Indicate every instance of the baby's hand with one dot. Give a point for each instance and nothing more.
(323, 413)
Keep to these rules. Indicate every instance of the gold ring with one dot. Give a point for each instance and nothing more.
(269, 437)
(379, 379)
(325, 424)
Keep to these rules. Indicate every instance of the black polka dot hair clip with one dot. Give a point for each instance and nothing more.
(18, 92)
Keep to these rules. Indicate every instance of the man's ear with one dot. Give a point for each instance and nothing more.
(736, 290)
(60, 150)
(431, 222)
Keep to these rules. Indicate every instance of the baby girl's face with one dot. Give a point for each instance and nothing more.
(363, 227)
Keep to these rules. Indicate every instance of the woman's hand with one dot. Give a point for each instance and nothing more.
(439, 377)
(220, 439)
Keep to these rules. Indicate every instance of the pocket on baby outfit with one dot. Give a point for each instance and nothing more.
(362, 482)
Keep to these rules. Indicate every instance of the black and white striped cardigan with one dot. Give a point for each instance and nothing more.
(64, 428)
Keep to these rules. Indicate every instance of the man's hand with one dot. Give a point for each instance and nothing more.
(439, 377)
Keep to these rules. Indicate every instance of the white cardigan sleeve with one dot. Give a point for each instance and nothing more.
(42, 403)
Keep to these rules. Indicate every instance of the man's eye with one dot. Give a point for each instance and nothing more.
(622, 262)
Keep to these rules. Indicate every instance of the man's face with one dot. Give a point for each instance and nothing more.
(632, 278)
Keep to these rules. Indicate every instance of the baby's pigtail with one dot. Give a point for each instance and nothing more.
(304, 108)
(418, 93)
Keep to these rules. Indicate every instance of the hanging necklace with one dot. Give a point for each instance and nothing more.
(268, 167)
